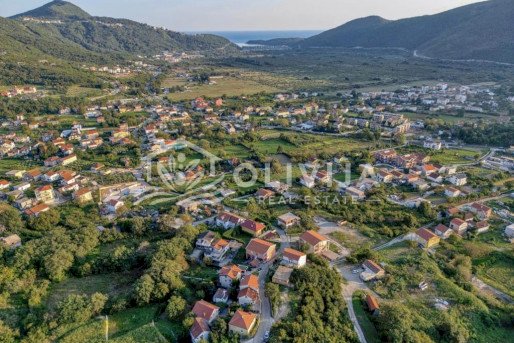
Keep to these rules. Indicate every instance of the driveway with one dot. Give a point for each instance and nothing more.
(266, 317)
(354, 283)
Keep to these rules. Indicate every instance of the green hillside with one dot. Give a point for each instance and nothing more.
(102, 34)
(479, 31)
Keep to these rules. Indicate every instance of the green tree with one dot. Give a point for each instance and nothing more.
(176, 306)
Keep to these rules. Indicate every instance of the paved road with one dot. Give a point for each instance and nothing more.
(354, 283)
(490, 289)
(266, 317)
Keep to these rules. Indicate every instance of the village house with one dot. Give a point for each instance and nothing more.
(372, 304)
(372, 271)
(452, 192)
(263, 194)
(242, 322)
(294, 258)
(68, 160)
(228, 220)
(288, 220)
(249, 281)
(322, 177)
(452, 211)
(37, 210)
(252, 227)
(277, 186)
(482, 226)
(11, 242)
(205, 239)
(458, 225)
(249, 292)
(45, 194)
(33, 175)
(282, 276)
(443, 231)
(83, 195)
(51, 176)
(458, 179)
(384, 176)
(307, 181)
(4, 184)
(427, 238)
(509, 232)
(52, 161)
(228, 275)
(434, 145)
(221, 296)
(200, 331)
(114, 205)
(23, 203)
(260, 250)
(355, 194)
(315, 242)
(481, 211)
(206, 310)
(435, 177)
(17, 174)
(218, 250)
(22, 186)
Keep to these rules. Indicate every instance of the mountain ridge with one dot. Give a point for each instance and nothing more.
(105, 34)
(482, 30)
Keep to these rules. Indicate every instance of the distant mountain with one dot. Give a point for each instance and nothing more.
(276, 42)
(68, 23)
(483, 30)
(56, 10)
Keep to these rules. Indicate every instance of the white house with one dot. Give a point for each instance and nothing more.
(307, 181)
(228, 220)
(458, 179)
(452, 192)
(294, 258)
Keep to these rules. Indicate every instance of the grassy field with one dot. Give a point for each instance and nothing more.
(306, 142)
(226, 86)
(367, 326)
(130, 326)
(455, 156)
(79, 91)
(109, 284)
(496, 270)
(8, 164)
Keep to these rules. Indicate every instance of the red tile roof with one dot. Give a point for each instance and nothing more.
(250, 293)
(293, 254)
(373, 266)
(204, 310)
(253, 226)
(199, 327)
(232, 271)
(425, 234)
(259, 246)
(312, 237)
(243, 320)
(249, 281)
(372, 302)
(441, 228)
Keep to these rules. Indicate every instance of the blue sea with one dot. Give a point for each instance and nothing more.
(241, 37)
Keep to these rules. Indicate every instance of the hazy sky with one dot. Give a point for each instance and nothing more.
(219, 15)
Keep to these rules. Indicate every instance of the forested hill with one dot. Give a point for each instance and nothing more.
(66, 22)
(483, 30)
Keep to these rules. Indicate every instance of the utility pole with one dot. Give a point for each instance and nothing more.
(107, 328)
